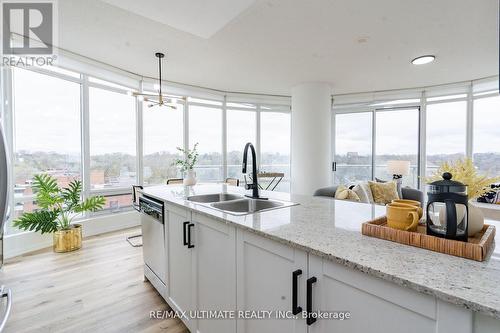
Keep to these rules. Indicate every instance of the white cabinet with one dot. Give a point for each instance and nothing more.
(181, 268)
(485, 324)
(376, 305)
(264, 281)
(215, 250)
(216, 266)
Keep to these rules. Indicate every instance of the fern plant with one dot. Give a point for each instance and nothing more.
(58, 206)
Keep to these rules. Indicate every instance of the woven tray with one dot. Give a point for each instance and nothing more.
(476, 248)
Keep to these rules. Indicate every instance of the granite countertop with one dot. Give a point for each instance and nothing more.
(332, 229)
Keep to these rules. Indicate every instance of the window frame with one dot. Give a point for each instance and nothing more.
(474, 96)
(373, 109)
(85, 112)
(259, 102)
(458, 93)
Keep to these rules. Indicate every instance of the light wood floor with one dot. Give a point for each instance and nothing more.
(97, 289)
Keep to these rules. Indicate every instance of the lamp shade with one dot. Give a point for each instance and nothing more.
(398, 167)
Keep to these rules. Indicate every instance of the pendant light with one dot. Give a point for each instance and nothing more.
(160, 99)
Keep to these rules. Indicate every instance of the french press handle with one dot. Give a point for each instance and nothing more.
(451, 218)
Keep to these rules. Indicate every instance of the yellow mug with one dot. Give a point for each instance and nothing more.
(413, 203)
(417, 209)
(402, 218)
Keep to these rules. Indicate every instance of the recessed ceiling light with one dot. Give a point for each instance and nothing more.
(423, 60)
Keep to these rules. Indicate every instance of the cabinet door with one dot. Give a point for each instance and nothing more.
(374, 305)
(181, 270)
(264, 282)
(215, 249)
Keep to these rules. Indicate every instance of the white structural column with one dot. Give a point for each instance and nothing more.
(311, 137)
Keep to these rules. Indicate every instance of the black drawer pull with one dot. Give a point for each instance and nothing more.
(190, 246)
(184, 236)
(295, 308)
(310, 319)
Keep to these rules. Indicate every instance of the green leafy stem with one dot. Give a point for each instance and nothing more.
(57, 206)
(189, 160)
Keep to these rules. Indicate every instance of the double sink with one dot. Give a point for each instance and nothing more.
(236, 204)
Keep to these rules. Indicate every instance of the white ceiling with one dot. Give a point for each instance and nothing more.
(201, 18)
(268, 46)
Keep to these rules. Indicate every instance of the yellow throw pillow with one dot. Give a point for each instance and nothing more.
(384, 193)
(343, 193)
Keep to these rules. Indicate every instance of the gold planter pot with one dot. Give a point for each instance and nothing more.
(68, 240)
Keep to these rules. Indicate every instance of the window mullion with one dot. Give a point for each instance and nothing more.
(469, 136)
(257, 136)
(85, 136)
(333, 141)
(224, 139)
(186, 126)
(422, 151)
(374, 141)
(139, 139)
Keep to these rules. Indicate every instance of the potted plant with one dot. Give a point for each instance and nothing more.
(187, 163)
(465, 172)
(58, 208)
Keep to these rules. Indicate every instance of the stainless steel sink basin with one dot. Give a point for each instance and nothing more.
(216, 197)
(249, 206)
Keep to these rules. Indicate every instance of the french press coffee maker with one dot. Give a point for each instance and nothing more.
(447, 211)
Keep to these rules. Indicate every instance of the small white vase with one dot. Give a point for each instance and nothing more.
(476, 219)
(189, 178)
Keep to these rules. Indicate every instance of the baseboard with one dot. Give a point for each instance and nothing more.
(19, 244)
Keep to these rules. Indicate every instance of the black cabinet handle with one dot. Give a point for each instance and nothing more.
(184, 236)
(295, 308)
(310, 319)
(190, 246)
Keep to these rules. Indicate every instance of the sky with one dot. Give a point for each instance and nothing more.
(446, 129)
(50, 122)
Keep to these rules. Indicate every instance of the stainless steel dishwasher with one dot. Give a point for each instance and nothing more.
(153, 241)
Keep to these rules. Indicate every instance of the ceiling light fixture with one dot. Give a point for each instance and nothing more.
(160, 99)
(423, 60)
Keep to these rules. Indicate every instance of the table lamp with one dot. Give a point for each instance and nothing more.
(398, 169)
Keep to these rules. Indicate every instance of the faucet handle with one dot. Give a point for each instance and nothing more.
(248, 186)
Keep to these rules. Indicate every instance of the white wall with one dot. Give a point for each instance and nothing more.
(18, 244)
(311, 137)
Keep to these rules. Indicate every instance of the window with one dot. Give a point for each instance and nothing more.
(486, 135)
(275, 146)
(353, 147)
(354, 144)
(396, 137)
(115, 203)
(446, 133)
(46, 132)
(162, 134)
(205, 128)
(112, 139)
(241, 128)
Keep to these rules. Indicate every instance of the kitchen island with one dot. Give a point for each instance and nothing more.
(309, 259)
